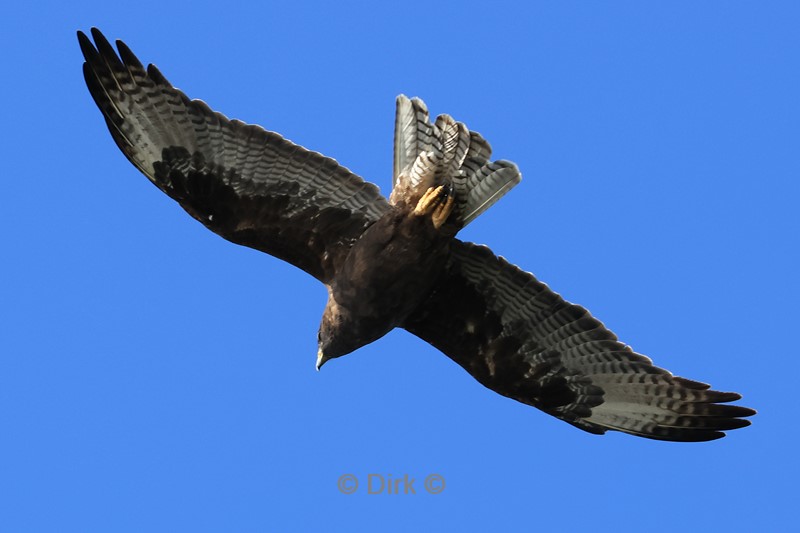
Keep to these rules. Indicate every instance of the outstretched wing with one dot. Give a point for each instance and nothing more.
(249, 185)
(522, 340)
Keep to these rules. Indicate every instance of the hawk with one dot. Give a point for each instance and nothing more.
(397, 263)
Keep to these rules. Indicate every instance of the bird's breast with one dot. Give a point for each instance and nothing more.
(391, 269)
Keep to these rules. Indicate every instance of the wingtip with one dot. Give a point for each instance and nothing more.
(95, 42)
(159, 79)
(128, 57)
(87, 47)
(97, 34)
(746, 411)
(97, 37)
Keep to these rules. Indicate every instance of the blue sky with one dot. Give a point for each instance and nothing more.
(154, 377)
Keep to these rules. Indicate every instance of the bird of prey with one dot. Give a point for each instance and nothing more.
(397, 263)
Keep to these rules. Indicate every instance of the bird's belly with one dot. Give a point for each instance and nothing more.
(390, 271)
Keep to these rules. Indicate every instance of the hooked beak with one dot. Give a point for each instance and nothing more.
(320, 359)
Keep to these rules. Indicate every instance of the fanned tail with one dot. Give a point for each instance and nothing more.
(446, 153)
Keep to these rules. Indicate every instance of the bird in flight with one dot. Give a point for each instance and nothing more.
(396, 262)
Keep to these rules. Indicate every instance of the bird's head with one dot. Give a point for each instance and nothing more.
(334, 341)
(340, 332)
(335, 331)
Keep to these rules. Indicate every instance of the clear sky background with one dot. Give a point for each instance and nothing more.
(154, 377)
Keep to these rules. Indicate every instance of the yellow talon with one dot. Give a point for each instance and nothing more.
(427, 200)
(432, 203)
(442, 211)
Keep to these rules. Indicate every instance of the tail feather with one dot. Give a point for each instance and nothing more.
(487, 186)
(455, 145)
(413, 134)
(446, 153)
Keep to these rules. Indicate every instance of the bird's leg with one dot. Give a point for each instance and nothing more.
(442, 211)
(438, 202)
(428, 201)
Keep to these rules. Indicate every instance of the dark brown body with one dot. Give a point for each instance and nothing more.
(388, 273)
